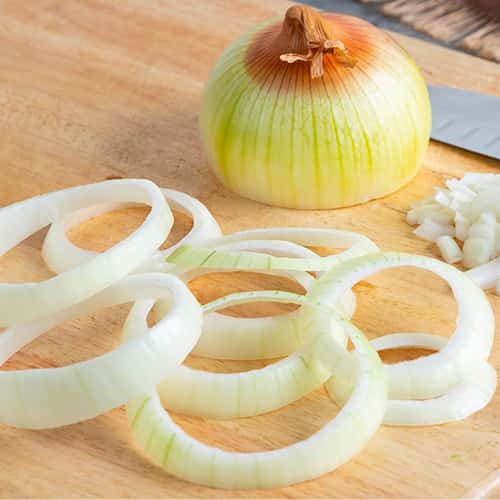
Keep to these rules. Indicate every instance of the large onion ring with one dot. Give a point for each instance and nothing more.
(338, 441)
(249, 393)
(207, 256)
(432, 375)
(51, 397)
(22, 302)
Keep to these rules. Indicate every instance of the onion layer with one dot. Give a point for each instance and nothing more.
(29, 301)
(61, 255)
(185, 457)
(51, 397)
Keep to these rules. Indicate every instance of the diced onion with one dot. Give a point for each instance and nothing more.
(468, 211)
(449, 249)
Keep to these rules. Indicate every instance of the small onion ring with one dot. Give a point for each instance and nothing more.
(50, 397)
(469, 396)
(22, 302)
(60, 254)
(337, 442)
(226, 337)
(192, 257)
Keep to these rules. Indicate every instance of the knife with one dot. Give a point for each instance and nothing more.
(469, 120)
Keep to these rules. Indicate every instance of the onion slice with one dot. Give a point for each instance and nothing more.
(232, 395)
(470, 395)
(471, 342)
(60, 254)
(338, 441)
(51, 397)
(226, 337)
(22, 302)
(356, 244)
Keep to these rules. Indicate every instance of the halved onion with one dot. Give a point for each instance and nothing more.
(51, 397)
(338, 441)
(22, 302)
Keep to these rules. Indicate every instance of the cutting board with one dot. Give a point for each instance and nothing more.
(91, 89)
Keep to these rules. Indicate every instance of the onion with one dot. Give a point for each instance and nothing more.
(237, 338)
(467, 210)
(227, 337)
(258, 338)
(471, 342)
(249, 393)
(29, 301)
(185, 457)
(60, 254)
(317, 111)
(51, 397)
(471, 394)
(457, 374)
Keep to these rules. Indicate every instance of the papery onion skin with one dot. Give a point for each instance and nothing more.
(275, 135)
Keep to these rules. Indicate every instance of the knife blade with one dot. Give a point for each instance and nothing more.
(469, 120)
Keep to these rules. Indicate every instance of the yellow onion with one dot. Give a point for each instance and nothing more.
(316, 111)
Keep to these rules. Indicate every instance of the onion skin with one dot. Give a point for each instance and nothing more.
(274, 134)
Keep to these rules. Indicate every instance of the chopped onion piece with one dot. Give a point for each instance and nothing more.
(449, 249)
(485, 275)
(462, 225)
(476, 251)
(431, 230)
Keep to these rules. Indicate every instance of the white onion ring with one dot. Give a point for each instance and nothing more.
(469, 396)
(186, 257)
(338, 441)
(426, 377)
(51, 397)
(231, 395)
(471, 343)
(22, 302)
(60, 254)
(226, 337)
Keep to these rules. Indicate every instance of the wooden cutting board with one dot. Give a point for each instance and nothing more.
(96, 88)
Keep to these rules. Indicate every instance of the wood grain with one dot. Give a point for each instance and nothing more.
(97, 88)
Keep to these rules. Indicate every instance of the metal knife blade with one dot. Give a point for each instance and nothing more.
(469, 120)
